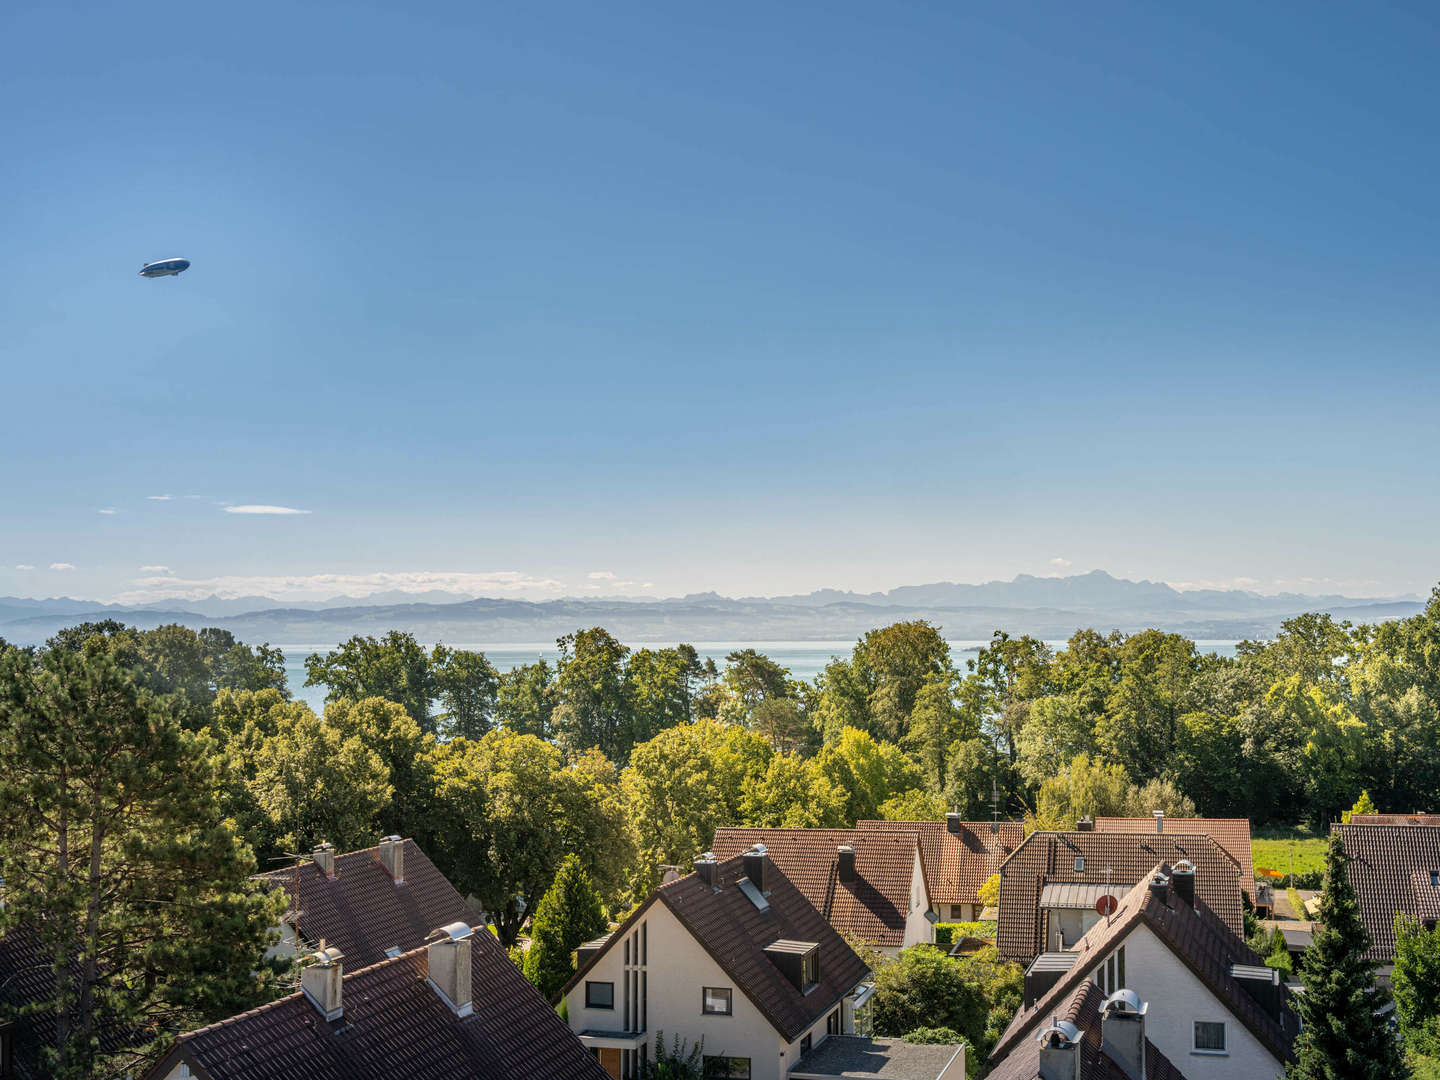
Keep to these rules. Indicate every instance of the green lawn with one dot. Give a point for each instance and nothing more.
(1272, 848)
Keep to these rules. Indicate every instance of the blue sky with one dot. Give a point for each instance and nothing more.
(751, 297)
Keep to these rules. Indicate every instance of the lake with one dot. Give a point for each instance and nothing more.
(804, 659)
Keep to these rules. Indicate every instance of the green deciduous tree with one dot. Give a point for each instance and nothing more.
(395, 668)
(525, 699)
(466, 684)
(867, 770)
(1416, 979)
(590, 691)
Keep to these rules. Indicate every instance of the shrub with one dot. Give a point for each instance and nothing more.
(935, 1035)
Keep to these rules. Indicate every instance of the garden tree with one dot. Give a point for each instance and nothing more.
(1308, 647)
(1335, 745)
(1055, 730)
(1212, 765)
(407, 754)
(116, 860)
(1006, 676)
(236, 666)
(1085, 787)
(316, 781)
(395, 668)
(1086, 670)
(659, 689)
(751, 678)
(526, 698)
(466, 684)
(596, 825)
(978, 780)
(1342, 1037)
(934, 727)
(792, 794)
(1158, 793)
(867, 771)
(1140, 725)
(1416, 979)
(876, 689)
(568, 915)
(784, 725)
(925, 988)
(590, 692)
(914, 805)
(1363, 805)
(989, 892)
(684, 784)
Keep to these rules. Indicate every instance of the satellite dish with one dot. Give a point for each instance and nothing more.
(1106, 905)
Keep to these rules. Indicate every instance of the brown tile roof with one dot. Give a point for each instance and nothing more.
(1082, 1009)
(1047, 858)
(1200, 940)
(1384, 863)
(873, 908)
(957, 864)
(396, 1027)
(1233, 834)
(363, 913)
(735, 933)
(1394, 819)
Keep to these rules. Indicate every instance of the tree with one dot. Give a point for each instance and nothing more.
(989, 892)
(467, 685)
(924, 988)
(1140, 725)
(1416, 979)
(977, 776)
(406, 752)
(116, 860)
(1363, 805)
(1005, 677)
(935, 726)
(867, 771)
(590, 689)
(792, 794)
(914, 805)
(525, 699)
(395, 668)
(784, 724)
(567, 916)
(659, 689)
(1056, 729)
(1342, 1038)
(1085, 787)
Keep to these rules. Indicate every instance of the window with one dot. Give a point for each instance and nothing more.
(726, 1068)
(805, 1045)
(715, 1001)
(1111, 974)
(810, 969)
(1209, 1037)
(832, 1023)
(1435, 878)
(1079, 864)
(600, 995)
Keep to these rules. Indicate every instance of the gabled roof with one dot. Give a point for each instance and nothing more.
(1233, 834)
(958, 863)
(396, 1027)
(1082, 1009)
(364, 913)
(1384, 863)
(1394, 819)
(1119, 859)
(735, 933)
(872, 908)
(1200, 940)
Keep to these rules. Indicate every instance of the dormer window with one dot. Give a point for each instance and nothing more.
(798, 961)
(1435, 878)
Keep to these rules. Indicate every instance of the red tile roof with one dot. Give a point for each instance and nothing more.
(396, 1027)
(1389, 869)
(364, 913)
(1394, 819)
(1200, 940)
(871, 909)
(1082, 1009)
(735, 933)
(958, 863)
(1233, 834)
(1121, 859)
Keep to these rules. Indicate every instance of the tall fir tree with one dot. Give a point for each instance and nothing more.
(1343, 1037)
(567, 916)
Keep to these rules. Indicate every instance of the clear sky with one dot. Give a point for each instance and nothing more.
(747, 297)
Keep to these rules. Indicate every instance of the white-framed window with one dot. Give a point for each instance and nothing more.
(716, 1000)
(1209, 1037)
(1111, 974)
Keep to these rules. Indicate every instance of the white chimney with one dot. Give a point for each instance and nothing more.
(392, 857)
(324, 857)
(1060, 1051)
(322, 981)
(1122, 1032)
(1159, 820)
(448, 959)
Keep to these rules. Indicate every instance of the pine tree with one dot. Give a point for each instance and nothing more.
(567, 916)
(1343, 1038)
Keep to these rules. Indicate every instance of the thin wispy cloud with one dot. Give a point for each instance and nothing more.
(23, 566)
(108, 510)
(159, 498)
(601, 575)
(155, 570)
(166, 586)
(62, 566)
(263, 509)
(1060, 562)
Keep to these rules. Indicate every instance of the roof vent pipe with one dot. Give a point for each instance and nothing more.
(448, 961)
(323, 981)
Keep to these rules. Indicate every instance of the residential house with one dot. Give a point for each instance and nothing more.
(456, 1007)
(959, 857)
(371, 904)
(869, 884)
(1393, 869)
(1053, 884)
(734, 959)
(1416, 818)
(1159, 988)
(1233, 834)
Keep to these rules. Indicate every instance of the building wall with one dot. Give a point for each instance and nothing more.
(1177, 999)
(917, 927)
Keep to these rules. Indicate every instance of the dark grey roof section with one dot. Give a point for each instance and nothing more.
(846, 1056)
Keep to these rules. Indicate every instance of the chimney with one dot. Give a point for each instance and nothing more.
(1085, 824)
(1182, 878)
(322, 981)
(1060, 1051)
(954, 824)
(705, 866)
(448, 960)
(1159, 886)
(1159, 820)
(845, 860)
(1122, 1032)
(755, 861)
(392, 857)
(324, 857)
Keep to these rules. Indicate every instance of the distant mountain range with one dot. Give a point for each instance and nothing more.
(1043, 606)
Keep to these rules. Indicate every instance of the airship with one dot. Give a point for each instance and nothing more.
(164, 267)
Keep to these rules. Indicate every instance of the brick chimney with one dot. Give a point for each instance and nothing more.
(324, 856)
(322, 981)
(392, 857)
(704, 866)
(756, 859)
(448, 960)
(1122, 1032)
(1060, 1051)
(845, 864)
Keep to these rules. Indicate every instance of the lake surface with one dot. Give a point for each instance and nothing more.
(804, 659)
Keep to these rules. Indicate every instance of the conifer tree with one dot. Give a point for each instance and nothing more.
(1343, 1038)
(567, 916)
